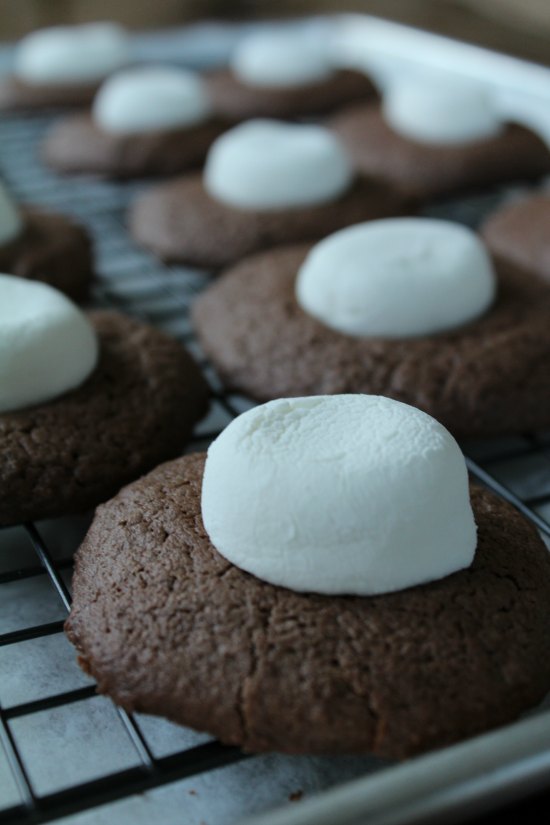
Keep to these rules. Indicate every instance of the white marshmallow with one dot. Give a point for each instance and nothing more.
(280, 60)
(149, 99)
(65, 55)
(439, 112)
(47, 345)
(267, 164)
(397, 278)
(353, 494)
(11, 223)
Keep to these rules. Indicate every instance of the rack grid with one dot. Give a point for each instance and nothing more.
(131, 280)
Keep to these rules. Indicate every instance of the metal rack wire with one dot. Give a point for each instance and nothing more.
(131, 280)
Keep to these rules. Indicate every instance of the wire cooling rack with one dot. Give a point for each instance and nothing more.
(63, 748)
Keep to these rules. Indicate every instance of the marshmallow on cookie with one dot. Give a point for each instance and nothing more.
(47, 345)
(342, 494)
(71, 55)
(397, 278)
(151, 99)
(268, 164)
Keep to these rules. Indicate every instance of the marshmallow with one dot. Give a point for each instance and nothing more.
(149, 99)
(11, 224)
(280, 60)
(351, 494)
(65, 55)
(397, 278)
(267, 164)
(441, 112)
(47, 345)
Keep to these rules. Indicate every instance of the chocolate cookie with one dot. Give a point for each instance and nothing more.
(15, 94)
(138, 408)
(168, 626)
(51, 249)
(75, 144)
(520, 233)
(179, 221)
(235, 100)
(427, 171)
(486, 378)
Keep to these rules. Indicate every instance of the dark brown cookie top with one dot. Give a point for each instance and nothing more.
(53, 249)
(75, 144)
(179, 221)
(427, 171)
(137, 408)
(519, 233)
(15, 94)
(168, 626)
(483, 379)
(234, 100)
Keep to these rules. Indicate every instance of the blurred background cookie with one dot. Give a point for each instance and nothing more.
(519, 233)
(154, 120)
(87, 402)
(265, 183)
(438, 136)
(45, 246)
(284, 75)
(62, 66)
(409, 308)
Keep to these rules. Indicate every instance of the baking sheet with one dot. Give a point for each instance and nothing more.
(82, 740)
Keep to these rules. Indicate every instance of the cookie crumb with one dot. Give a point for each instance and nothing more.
(295, 796)
(192, 792)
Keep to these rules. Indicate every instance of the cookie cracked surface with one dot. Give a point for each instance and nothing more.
(168, 626)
